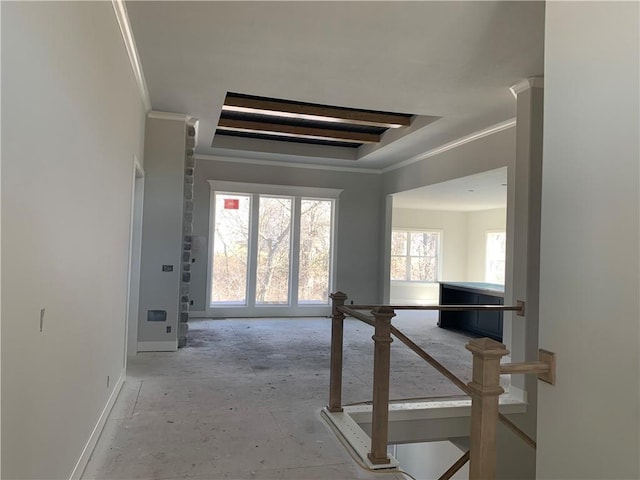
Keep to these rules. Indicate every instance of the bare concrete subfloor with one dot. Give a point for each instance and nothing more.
(242, 400)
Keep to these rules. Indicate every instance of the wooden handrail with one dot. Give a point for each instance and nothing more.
(453, 469)
(430, 360)
(360, 315)
(524, 367)
(519, 308)
(369, 320)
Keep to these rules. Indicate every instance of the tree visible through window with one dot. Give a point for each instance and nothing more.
(414, 255)
(496, 253)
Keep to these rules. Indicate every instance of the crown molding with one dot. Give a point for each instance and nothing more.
(526, 84)
(275, 163)
(180, 117)
(130, 43)
(498, 127)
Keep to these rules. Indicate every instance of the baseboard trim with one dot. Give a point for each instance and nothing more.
(78, 470)
(197, 314)
(170, 346)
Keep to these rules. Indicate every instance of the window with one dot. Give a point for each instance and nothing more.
(414, 255)
(231, 249)
(495, 257)
(271, 246)
(315, 251)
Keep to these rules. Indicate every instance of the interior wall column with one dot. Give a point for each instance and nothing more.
(523, 270)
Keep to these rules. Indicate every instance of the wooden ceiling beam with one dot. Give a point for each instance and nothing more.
(293, 131)
(315, 112)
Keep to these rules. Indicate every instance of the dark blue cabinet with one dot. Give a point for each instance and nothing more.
(484, 324)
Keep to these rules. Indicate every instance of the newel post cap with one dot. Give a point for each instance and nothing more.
(486, 347)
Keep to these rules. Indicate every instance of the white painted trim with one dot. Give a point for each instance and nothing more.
(454, 144)
(212, 196)
(198, 314)
(127, 318)
(78, 470)
(349, 432)
(271, 189)
(139, 170)
(526, 84)
(275, 163)
(168, 346)
(180, 117)
(130, 43)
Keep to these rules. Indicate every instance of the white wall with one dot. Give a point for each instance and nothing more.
(428, 461)
(588, 423)
(72, 123)
(480, 155)
(359, 220)
(162, 232)
(478, 224)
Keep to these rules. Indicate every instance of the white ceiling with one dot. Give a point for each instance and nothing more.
(454, 60)
(482, 191)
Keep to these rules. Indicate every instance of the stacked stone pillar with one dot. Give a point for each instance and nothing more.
(187, 231)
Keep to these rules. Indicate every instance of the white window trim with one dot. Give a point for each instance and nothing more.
(221, 186)
(440, 233)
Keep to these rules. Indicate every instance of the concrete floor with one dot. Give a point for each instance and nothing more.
(242, 400)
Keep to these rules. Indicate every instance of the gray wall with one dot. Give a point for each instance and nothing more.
(72, 121)
(162, 230)
(359, 220)
(588, 423)
(487, 153)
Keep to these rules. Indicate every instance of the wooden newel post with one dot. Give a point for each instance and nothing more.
(381, 362)
(485, 390)
(335, 375)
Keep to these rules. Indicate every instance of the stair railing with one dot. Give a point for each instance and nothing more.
(484, 389)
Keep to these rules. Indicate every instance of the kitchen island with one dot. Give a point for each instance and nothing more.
(485, 324)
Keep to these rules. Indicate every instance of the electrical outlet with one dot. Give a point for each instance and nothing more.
(191, 302)
(169, 329)
(193, 260)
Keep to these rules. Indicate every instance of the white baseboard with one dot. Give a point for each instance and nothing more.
(195, 314)
(170, 346)
(97, 430)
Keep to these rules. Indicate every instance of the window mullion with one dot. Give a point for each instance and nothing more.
(408, 258)
(253, 250)
(294, 264)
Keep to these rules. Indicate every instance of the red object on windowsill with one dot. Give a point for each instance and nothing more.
(231, 204)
